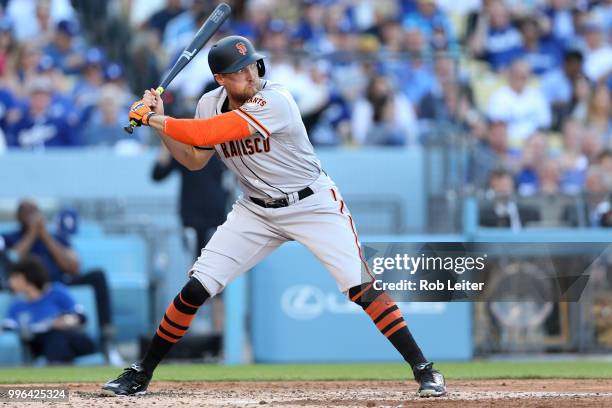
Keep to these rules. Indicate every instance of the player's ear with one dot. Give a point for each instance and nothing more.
(219, 79)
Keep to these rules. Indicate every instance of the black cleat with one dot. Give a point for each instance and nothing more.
(132, 381)
(431, 381)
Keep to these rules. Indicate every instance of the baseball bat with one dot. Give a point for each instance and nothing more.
(208, 29)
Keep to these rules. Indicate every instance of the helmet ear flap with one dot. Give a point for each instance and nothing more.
(261, 68)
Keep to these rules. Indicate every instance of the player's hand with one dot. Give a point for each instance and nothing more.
(154, 101)
(140, 113)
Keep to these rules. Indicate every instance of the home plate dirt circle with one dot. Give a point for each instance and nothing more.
(464, 394)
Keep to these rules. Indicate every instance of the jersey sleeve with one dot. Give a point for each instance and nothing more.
(268, 112)
(199, 115)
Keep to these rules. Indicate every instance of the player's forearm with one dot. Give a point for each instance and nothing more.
(203, 132)
(24, 245)
(185, 154)
(66, 259)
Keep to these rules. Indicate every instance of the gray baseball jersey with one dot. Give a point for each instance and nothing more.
(276, 162)
(279, 158)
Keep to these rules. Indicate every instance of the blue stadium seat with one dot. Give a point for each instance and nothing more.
(86, 228)
(84, 295)
(10, 344)
(124, 261)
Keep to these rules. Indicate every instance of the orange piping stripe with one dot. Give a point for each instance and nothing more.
(398, 326)
(357, 296)
(258, 123)
(185, 303)
(163, 336)
(388, 319)
(179, 317)
(172, 329)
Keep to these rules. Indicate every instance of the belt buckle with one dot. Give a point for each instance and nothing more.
(276, 203)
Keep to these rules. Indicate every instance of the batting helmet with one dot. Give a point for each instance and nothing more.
(233, 53)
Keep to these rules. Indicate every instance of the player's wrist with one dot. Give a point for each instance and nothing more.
(146, 118)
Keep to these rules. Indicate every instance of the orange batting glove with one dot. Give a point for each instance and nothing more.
(140, 113)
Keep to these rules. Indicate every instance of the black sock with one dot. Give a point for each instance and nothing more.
(389, 320)
(175, 323)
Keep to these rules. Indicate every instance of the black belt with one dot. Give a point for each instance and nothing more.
(281, 202)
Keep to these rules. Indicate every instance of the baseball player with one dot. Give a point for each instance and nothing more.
(255, 128)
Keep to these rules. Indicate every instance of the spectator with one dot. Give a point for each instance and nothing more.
(559, 13)
(25, 69)
(603, 12)
(596, 205)
(46, 316)
(159, 20)
(492, 153)
(7, 45)
(383, 117)
(34, 15)
(572, 161)
(534, 153)
(391, 35)
(310, 30)
(433, 23)
(598, 53)
(107, 119)
(496, 39)
(592, 144)
(86, 92)
(558, 85)
(415, 76)
(62, 84)
(549, 177)
(542, 53)
(59, 260)
(501, 208)
(180, 30)
(450, 101)
(599, 113)
(579, 105)
(66, 48)
(523, 108)
(40, 127)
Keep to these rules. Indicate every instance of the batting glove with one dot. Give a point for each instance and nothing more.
(140, 113)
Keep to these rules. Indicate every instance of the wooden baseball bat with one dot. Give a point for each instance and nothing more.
(208, 29)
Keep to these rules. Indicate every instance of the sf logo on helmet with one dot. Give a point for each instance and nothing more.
(241, 48)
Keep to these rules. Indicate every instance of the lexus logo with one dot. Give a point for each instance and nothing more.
(307, 302)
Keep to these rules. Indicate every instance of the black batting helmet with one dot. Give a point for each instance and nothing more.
(233, 53)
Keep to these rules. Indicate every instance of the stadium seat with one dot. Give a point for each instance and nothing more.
(10, 344)
(123, 258)
(84, 295)
(86, 229)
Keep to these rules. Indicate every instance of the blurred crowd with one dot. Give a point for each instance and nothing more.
(527, 82)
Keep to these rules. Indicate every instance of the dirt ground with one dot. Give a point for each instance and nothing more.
(465, 394)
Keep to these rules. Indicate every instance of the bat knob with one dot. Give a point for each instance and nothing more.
(129, 128)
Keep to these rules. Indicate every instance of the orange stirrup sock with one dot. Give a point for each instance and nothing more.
(388, 318)
(175, 323)
(207, 132)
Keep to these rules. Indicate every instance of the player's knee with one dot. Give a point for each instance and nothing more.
(194, 292)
